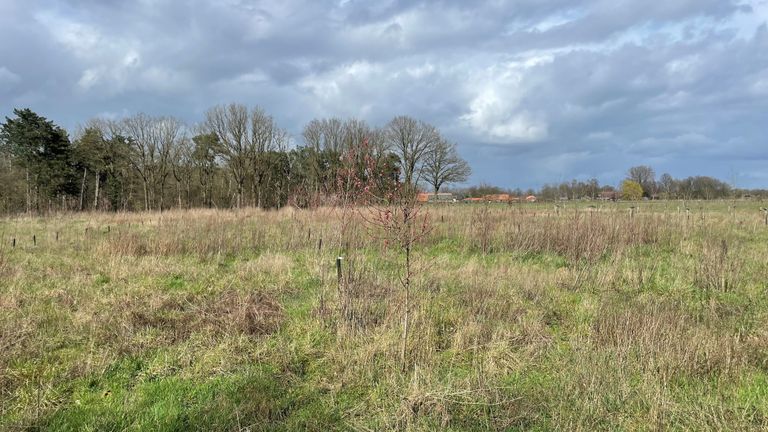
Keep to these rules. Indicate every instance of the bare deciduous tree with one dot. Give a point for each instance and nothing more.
(313, 134)
(183, 167)
(398, 220)
(331, 140)
(325, 134)
(206, 148)
(266, 137)
(443, 164)
(244, 138)
(231, 125)
(411, 140)
(645, 177)
(152, 142)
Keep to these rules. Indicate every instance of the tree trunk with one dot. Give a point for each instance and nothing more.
(406, 313)
(146, 196)
(253, 195)
(82, 188)
(162, 195)
(189, 192)
(29, 193)
(37, 194)
(96, 193)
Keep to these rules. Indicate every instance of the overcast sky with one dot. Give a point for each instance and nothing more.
(533, 91)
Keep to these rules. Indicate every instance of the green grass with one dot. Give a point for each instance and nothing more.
(233, 321)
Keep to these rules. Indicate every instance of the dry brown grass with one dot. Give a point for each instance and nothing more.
(663, 339)
(719, 268)
(176, 317)
(579, 235)
(522, 317)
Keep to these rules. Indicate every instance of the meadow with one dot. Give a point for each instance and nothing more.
(586, 316)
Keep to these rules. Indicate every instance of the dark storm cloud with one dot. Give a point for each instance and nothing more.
(533, 91)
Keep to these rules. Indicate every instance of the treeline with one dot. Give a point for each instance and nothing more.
(693, 187)
(235, 157)
(640, 182)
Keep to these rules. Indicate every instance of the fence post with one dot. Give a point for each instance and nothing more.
(342, 295)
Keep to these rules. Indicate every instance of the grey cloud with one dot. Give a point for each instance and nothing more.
(532, 90)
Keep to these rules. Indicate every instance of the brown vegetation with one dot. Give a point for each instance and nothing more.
(519, 317)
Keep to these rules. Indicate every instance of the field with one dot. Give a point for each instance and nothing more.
(523, 317)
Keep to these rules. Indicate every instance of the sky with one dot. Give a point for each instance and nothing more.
(532, 91)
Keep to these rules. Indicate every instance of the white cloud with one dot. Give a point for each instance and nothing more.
(686, 142)
(600, 136)
(332, 87)
(684, 70)
(81, 39)
(668, 101)
(90, 78)
(496, 110)
(759, 86)
(604, 82)
(8, 79)
(558, 19)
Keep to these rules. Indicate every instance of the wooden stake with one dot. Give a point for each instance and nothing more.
(338, 271)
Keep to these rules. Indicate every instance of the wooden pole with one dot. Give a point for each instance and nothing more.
(342, 294)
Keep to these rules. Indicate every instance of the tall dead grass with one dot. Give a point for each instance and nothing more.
(662, 339)
(591, 334)
(577, 235)
(719, 268)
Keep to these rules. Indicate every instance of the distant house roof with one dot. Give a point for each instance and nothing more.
(442, 196)
(499, 198)
(496, 197)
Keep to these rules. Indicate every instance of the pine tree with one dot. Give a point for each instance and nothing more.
(44, 152)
